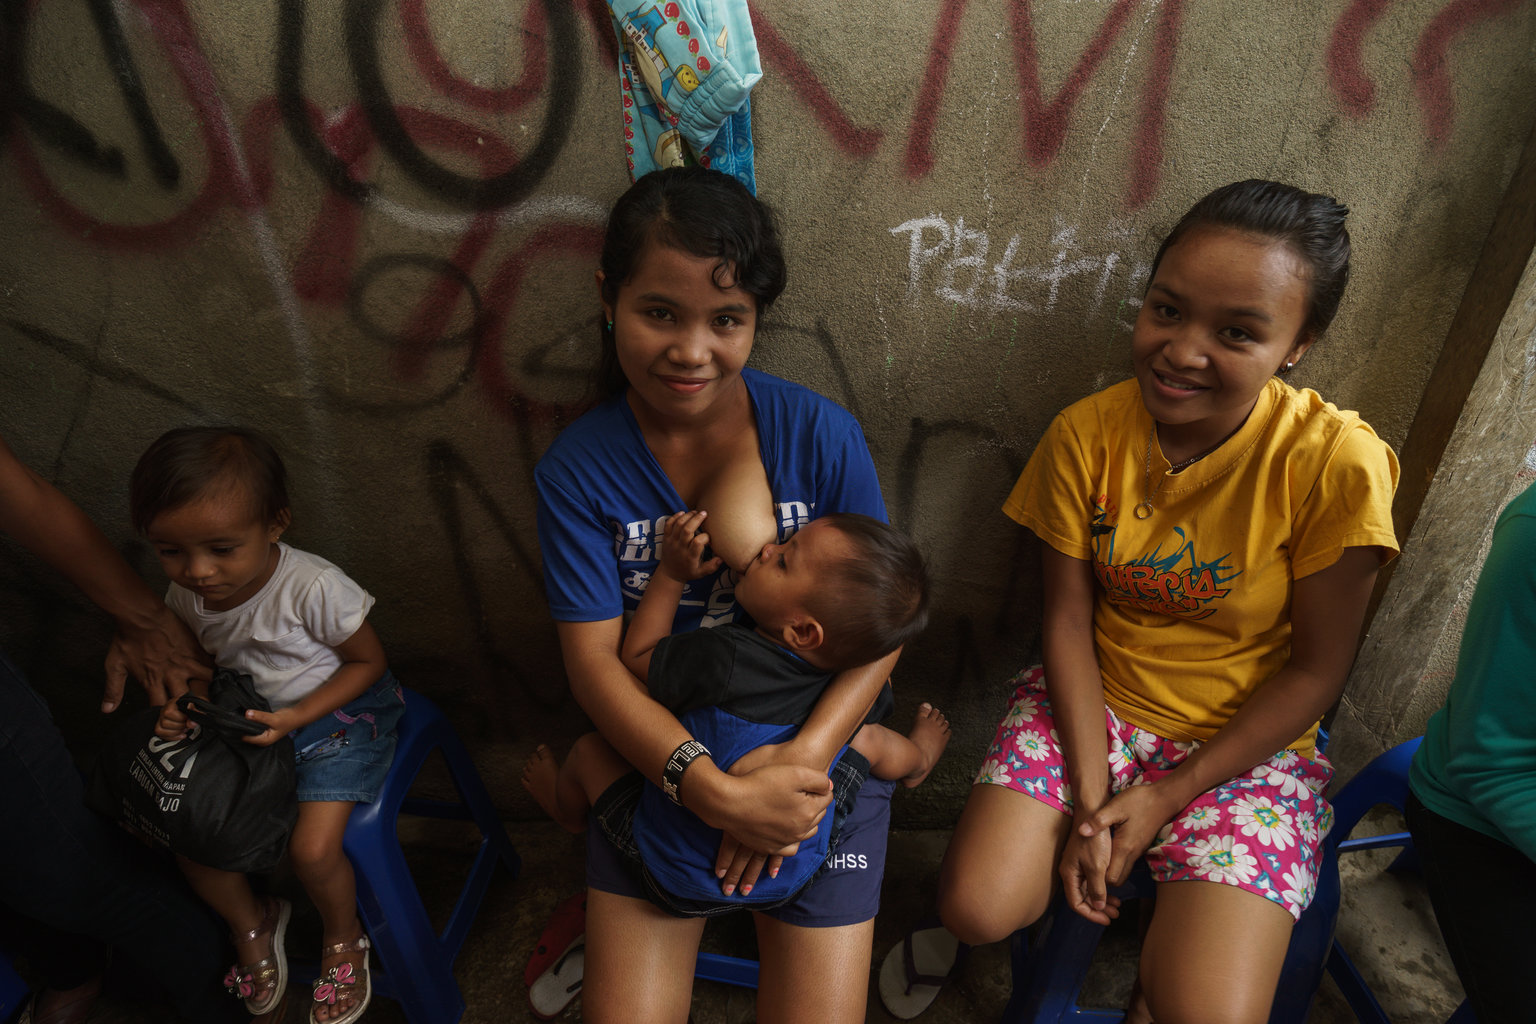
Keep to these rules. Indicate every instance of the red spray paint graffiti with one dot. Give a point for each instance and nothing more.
(1046, 123)
(1430, 67)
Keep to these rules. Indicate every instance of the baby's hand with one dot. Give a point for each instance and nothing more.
(172, 723)
(683, 547)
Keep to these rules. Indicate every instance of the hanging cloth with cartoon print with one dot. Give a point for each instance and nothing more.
(685, 70)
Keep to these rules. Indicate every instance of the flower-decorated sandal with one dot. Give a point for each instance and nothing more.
(343, 984)
(263, 983)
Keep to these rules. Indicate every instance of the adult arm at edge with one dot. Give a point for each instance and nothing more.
(151, 643)
(1327, 611)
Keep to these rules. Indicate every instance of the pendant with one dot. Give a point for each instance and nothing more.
(1143, 510)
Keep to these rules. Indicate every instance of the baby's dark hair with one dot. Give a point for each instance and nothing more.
(1310, 224)
(875, 601)
(186, 463)
(700, 212)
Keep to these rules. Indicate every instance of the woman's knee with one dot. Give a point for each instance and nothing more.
(976, 915)
(979, 902)
(999, 871)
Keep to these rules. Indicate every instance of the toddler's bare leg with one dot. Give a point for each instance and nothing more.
(908, 758)
(567, 791)
(229, 894)
(741, 516)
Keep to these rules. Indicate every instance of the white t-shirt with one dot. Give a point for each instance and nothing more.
(285, 636)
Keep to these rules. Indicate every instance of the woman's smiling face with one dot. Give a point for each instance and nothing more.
(1223, 312)
(682, 335)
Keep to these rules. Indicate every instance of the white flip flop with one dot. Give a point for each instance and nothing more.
(917, 967)
(552, 991)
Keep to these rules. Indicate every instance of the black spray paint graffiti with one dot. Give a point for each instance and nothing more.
(357, 307)
(450, 479)
(362, 31)
(63, 132)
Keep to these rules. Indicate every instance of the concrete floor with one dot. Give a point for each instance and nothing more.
(1386, 924)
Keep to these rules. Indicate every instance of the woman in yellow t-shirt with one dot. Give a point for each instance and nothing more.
(1211, 537)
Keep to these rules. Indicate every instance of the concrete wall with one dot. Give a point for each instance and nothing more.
(1408, 660)
(369, 228)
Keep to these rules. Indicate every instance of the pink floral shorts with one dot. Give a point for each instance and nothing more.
(1260, 831)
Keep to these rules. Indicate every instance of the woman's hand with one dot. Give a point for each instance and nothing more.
(1084, 876)
(767, 809)
(1131, 820)
(737, 864)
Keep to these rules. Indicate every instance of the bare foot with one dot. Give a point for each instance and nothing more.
(541, 778)
(541, 775)
(930, 733)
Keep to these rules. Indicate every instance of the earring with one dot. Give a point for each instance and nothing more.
(610, 326)
(1287, 368)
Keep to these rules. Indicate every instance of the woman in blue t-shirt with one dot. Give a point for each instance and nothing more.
(690, 262)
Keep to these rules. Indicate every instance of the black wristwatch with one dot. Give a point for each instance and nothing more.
(682, 757)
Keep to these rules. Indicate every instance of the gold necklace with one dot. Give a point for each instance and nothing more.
(1143, 508)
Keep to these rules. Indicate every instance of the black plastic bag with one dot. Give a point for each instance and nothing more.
(211, 797)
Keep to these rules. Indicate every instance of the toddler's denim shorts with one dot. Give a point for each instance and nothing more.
(345, 755)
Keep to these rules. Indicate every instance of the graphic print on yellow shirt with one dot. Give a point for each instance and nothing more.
(1175, 582)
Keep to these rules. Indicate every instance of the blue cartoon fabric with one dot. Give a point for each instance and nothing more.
(685, 70)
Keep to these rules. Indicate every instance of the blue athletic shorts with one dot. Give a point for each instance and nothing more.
(345, 755)
(845, 891)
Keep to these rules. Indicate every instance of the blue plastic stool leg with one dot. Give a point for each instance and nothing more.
(1306, 958)
(731, 970)
(417, 963)
(13, 989)
(1383, 781)
(1051, 959)
(1049, 965)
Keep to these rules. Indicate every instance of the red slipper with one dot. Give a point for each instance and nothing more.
(567, 924)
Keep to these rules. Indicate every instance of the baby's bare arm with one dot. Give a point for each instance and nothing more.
(682, 559)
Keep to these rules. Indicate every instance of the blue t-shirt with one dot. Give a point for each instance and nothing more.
(603, 499)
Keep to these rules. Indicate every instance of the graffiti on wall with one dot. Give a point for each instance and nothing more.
(963, 266)
(485, 210)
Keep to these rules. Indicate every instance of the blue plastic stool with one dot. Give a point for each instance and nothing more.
(1051, 959)
(1383, 781)
(13, 990)
(416, 962)
(731, 970)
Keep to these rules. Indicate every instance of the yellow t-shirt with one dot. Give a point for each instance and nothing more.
(1192, 610)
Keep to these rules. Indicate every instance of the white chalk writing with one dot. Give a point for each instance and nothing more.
(954, 261)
